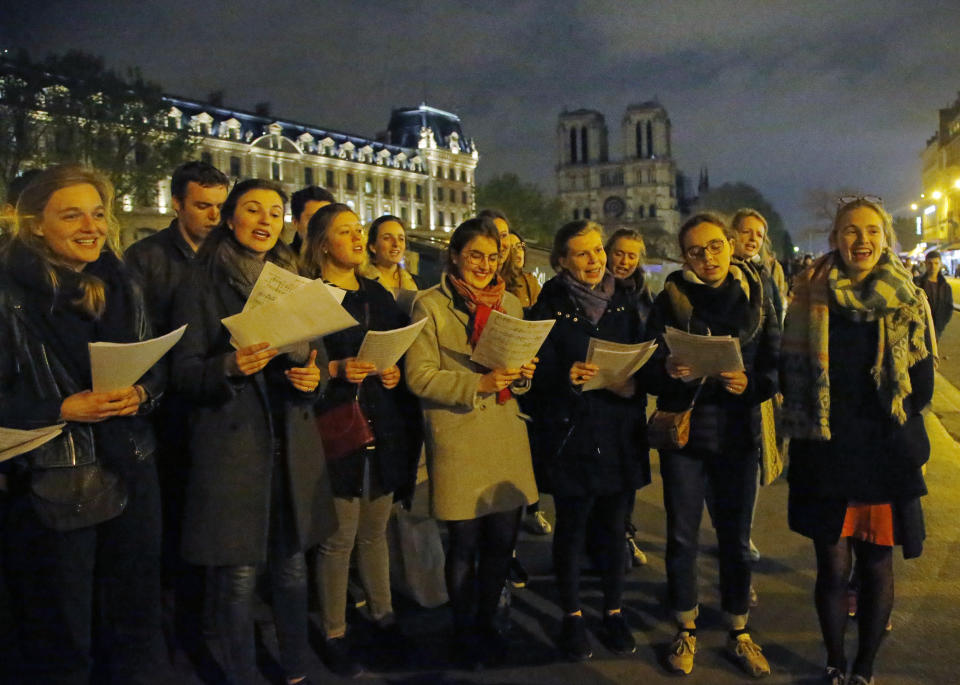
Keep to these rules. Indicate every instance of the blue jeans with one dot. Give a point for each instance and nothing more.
(731, 479)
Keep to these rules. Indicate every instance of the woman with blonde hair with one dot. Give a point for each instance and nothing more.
(857, 369)
(85, 504)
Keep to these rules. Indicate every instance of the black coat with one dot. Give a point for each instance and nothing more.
(233, 436)
(721, 422)
(160, 263)
(941, 304)
(394, 414)
(584, 443)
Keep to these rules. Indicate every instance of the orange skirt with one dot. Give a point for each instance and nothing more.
(871, 523)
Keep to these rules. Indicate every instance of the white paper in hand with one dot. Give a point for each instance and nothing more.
(617, 361)
(706, 355)
(120, 365)
(384, 348)
(14, 442)
(508, 342)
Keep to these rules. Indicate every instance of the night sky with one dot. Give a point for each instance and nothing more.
(786, 96)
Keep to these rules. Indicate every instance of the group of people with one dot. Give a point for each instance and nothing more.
(231, 464)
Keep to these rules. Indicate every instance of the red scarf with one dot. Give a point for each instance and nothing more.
(480, 303)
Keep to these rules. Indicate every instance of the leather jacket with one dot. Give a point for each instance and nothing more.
(159, 262)
(34, 383)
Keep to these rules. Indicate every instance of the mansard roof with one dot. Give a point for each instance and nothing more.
(407, 123)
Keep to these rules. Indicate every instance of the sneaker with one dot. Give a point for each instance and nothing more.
(754, 552)
(834, 676)
(537, 524)
(574, 642)
(852, 602)
(616, 635)
(517, 575)
(748, 654)
(337, 657)
(637, 557)
(754, 598)
(680, 658)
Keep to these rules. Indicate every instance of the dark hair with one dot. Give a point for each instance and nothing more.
(374, 229)
(932, 254)
(299, 200)
(704, 218)
(311, 253)
(467, 231)
(217, 235)
(16, 185)
(200, 173)
(491, 213)
(566, 233)
(629, 234)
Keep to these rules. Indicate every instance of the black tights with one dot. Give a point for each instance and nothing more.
(875, 569)
(479, 581)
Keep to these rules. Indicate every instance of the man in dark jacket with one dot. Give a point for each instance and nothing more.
(303, 205)
(938, 292)
(160, 263)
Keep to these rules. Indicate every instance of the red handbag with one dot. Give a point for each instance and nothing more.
(344, 429)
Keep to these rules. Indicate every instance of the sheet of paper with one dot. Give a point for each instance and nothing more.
(384, 348)
(120, 365)
(275, 282)
(309, 312)
(14, 442)
(617, 361)
(706, 355)
(508, 342)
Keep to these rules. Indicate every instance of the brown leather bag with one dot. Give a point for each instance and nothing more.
(344, 429)
(670, 430)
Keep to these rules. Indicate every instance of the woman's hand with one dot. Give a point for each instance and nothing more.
(390, 377)
(497, 380)
(677, 370)
(581, 372)
(305, 378)
(528, 369)
(734, 382)
(252, 358)
(93, 407)
(351, 370)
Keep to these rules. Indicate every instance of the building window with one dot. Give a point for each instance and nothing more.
(584, 154)
(369, 214)
(439, 194)
(638, 132)
(640, 211)
(308, 176)
(206, 157)
(349, 181)
(653, 211)
(235, 167)
(573, 145)
(453, 195)
(403, 188)
(404, 214)
(368, 186)
(586, 213)
(419, 216)
(650, 152)
(463, 176)
(439, 218)
(331, 179)
(275, 171)
(419, 192)
(386, 186)
(576, 214)
(463, 196)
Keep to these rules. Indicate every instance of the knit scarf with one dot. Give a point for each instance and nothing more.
(887, 296)
(735, 307)
(593, 301)
(479, 303)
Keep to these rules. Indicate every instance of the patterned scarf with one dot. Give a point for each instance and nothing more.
(479, 304)
(887, 296)
(593, 301)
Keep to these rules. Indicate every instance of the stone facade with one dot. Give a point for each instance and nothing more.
(939, 207)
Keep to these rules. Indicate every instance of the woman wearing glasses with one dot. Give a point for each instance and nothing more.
(711, 296)
(589, 447)
(366, 482)
(523, 284)
(857, 371)
(478, 456)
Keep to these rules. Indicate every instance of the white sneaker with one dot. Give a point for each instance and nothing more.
(537, 523)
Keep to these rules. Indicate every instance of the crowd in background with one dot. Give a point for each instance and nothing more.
(227, 471)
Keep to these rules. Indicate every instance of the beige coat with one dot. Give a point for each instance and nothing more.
(478, 454)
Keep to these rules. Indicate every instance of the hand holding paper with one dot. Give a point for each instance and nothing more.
(704, 355)
(120, 365)
(508, 342)
(384, 348)
(616, 362)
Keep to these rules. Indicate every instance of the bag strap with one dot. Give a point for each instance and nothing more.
(697, 393)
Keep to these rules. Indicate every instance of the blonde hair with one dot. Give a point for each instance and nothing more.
(29, 216)
(885, 219)
(568, 232)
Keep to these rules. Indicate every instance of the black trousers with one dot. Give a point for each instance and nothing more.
(106, 575)
(605, 515)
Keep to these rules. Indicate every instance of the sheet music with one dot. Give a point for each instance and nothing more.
(309, 312)
(617, 361)
(706, 355)
(14, 442)
(508, 342)
(120, 365)
(275, 282)
(384, 348)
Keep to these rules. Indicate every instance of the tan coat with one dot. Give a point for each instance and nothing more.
(478, 454)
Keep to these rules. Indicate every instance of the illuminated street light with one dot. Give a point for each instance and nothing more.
(937, 194)
(914, 206)
(956, 184)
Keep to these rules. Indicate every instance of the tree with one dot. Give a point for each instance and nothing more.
(730, 197)
(905, 229)
(70, 108)
(532, 213)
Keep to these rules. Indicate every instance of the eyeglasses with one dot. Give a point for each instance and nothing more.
(697, 252)
(849, 199)
(474, 258)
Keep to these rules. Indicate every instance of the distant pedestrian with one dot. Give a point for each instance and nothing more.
(857, 371)
(938, 291)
